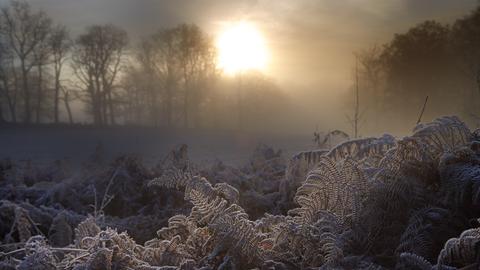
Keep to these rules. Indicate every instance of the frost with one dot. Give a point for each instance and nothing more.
(372, 203)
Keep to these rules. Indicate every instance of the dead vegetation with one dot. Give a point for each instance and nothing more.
(376, 203)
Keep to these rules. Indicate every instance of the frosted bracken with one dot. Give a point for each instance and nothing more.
(373, 203)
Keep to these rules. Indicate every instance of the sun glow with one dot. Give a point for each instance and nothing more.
(241, 47)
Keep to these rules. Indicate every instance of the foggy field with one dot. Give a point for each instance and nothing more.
(403, 203)
(239, 135)
(77, 143)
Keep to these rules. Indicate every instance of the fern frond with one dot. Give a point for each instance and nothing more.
(227, 192)
(460, 179)
(337, 187)
(39, 255)
(165, 252)
(366, 150)
(178, 225)
(22, 223)
(461, 251)
(311, 244)
(86, 228)
(60, 233)
(188, 180)
(408, 158)
(428, 229)
(172, 178)
(409, 261)
(240, 235)
(442, 135)
(227, 221)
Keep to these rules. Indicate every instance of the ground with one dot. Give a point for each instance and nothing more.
(76, 144)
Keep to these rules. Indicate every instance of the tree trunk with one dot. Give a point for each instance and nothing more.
(2, 118)
(67, 106)
(10, 103)
(26, 93)
(169, 108)
(39, 95)
(13, 112)
(56, 96)
(154, 107)
(99, 103)
(104, 109)
(95, 111)
(110, 107)
(185, 109)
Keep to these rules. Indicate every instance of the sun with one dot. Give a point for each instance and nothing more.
(241, 47)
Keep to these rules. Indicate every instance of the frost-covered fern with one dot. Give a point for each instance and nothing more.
(462, 251)
(367, 151)
(374, 203)
(336, 187)
(442, 135)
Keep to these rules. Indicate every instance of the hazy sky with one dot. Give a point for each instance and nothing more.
(311, 41)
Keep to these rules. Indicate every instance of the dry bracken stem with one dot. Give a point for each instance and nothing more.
(69, 249)
(12, 244)
(105, 201)
(34, 225)
(12, 252)
(54, 249)
(422, 111)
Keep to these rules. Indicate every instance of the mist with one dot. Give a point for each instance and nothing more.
(312, 47)
(251, 134)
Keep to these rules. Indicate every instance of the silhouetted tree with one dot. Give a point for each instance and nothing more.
(137, 107)
(67, 98)
(8, 85)
(24, 30)
(162, 48)
(419, 63)
(41, 55)
(97, 60)
(466, 45)
(371, 71)
(60, 45)
(198, 65)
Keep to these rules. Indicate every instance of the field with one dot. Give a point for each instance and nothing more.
(48, 143)
(147, 199)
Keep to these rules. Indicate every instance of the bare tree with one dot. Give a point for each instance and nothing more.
(150, 81)
(8, 78)
(355, 120)
(180, 65)
(136, 97)
(165, 63)
(60, 45)
(371, 72)
(465, 41)
(97, 60)
(41, 56)
(67, 98)
(197, 62)
(24, 30)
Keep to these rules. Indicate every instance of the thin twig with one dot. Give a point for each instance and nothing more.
(34, 225)
(52, 248)
(106, 198)
(12, 252)
(12, 244)
(423, 110)
(69, 249)
(76, 259)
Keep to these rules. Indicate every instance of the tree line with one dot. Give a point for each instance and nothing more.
(169, 78)
(431, 59)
